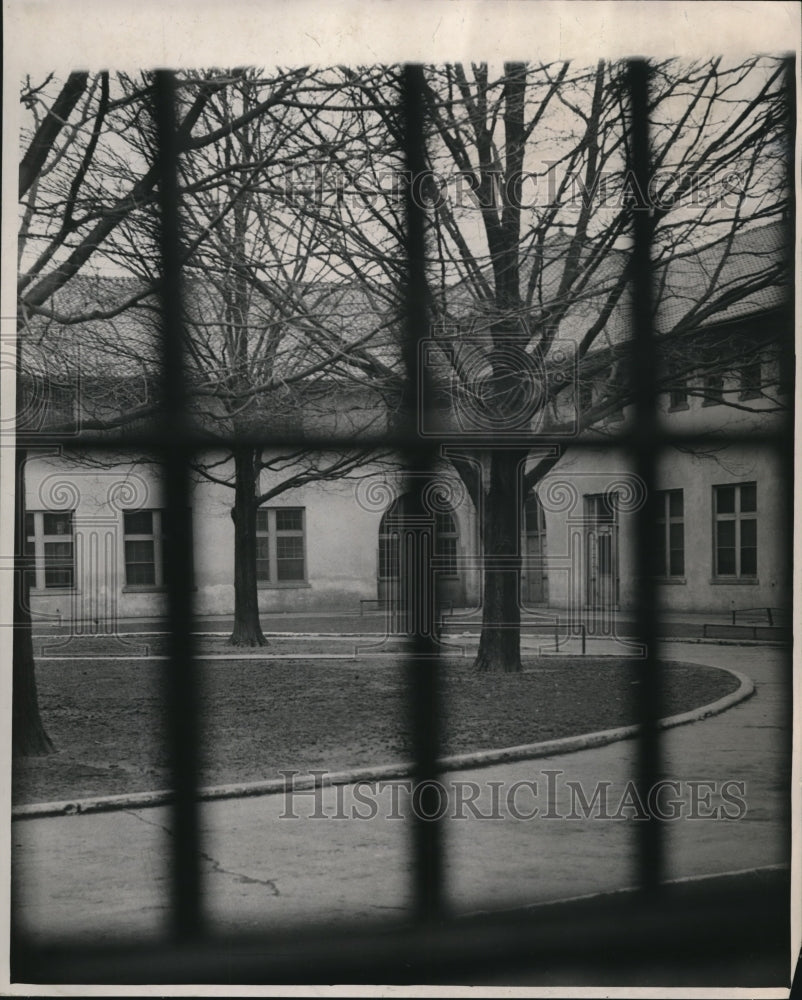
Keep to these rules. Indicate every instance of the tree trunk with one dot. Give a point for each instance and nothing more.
(500, 641)
(247, 628)
(29, 738)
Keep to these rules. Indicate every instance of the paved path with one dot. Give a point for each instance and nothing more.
(106, 874)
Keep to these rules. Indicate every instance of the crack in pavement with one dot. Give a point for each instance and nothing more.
(216, 866)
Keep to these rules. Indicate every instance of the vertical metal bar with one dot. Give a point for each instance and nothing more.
(181, 682)
(650, 842)
(424, 702)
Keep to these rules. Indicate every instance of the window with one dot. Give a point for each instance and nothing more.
(671, 532)
(678, 393)
(713, 390)
(50, 541)
(750, 379)
(678, 397)
(280, 545)
(146, 542)
(736, 530)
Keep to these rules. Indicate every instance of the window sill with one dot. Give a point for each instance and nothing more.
(53, 591)
(734, 581)
(670, 580)
(283, 585)
(147, 588)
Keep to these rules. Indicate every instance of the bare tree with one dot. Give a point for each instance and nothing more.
(87, 188)
(530, 202)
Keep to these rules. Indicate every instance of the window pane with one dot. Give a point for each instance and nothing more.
(289, 520)
(140, 574)
(261, 521)
(675, 503)
(289, 547)
(263, 559)
(289, 557)
(58, 552)
(713, 389)
(676, 544)
(140, 567)
(725, 534)
(290, 569)
(58, 564)
(726, 562)
(751, 379)
(139, 551)
(749, 532)
(679, 397)
(660, 561)
(58, 577)
(749, 497)
(58, 524)
(138, 522)
(748, 561)
(677, 562)
(725, 499)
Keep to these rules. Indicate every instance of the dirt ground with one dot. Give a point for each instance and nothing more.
(264, 715)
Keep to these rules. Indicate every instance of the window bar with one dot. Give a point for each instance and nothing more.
(650, 847)
(424, 700)
(181, 682)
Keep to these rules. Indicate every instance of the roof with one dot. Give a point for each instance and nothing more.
(315, 333)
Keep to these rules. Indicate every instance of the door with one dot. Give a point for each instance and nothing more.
(401, 535)
(534, 580)
(601, 552)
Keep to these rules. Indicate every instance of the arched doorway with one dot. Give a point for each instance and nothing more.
(534, 579)
(398, 521)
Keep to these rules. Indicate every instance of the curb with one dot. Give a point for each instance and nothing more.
(385, 772)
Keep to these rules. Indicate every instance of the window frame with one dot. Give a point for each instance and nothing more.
(159, 536)
(737, 517)
(713, 389)
(665, 520)
(41, 540)
(750, 387)
(272, 533)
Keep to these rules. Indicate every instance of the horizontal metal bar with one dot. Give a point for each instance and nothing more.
(191, 441)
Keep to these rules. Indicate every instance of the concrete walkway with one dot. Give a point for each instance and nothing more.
(106, 874)
(673, 624)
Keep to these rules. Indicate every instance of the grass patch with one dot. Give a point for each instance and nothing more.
(261, 716)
